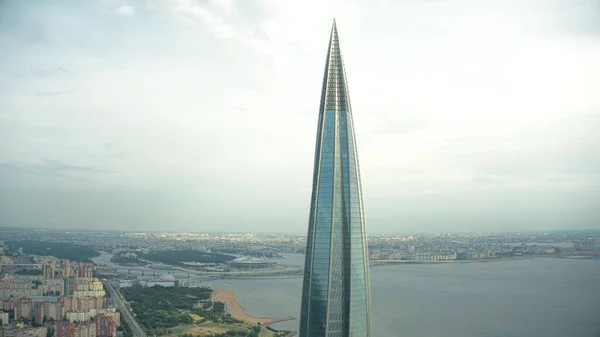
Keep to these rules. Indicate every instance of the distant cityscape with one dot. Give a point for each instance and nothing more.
(68, 283)
(432, 247)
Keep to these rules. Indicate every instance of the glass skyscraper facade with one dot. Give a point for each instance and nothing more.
(335, 294)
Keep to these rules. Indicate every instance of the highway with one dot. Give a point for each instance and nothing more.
(125, 312)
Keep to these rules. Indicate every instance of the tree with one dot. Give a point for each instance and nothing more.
(60, 250)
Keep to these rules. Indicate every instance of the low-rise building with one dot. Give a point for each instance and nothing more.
(20, 286)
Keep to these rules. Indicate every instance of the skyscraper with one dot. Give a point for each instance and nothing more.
(335, 294)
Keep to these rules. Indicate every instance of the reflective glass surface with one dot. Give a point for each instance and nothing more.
(336, 298)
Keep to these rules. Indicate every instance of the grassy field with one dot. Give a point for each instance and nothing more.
(196, 318)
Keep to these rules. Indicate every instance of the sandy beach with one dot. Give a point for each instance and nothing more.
(236, 310)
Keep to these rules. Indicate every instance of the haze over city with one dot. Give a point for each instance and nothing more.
(201, 116)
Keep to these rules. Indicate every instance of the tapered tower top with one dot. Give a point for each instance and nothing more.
(335, 86)
(334, 45)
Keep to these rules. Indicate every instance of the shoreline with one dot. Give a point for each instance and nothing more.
(237, 311)
(502, 259)
(497, 259)
(264, 277)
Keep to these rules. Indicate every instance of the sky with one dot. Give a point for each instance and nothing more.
(184, 115)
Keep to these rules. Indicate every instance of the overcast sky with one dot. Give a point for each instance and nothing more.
(201, 115)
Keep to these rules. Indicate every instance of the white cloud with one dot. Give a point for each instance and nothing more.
(201, 14)
(125, 10)
(226, 5)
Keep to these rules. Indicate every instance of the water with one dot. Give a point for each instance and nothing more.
(104, 258)
(538, 297)
(290, 259)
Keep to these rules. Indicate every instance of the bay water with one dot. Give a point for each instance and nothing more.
(537, 297)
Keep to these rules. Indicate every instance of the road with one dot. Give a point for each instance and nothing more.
(125, 312)
(183, 273)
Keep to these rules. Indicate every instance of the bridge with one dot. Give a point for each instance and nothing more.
(196, 275)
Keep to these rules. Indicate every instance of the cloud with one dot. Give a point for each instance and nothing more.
(464, 111)
(226, 5)
(193, 12)
(56, 93)
(125, 10)
(55, 73)
(575, 159)
(399, 127)
(205, 14)
(49, 167)
(565, 146)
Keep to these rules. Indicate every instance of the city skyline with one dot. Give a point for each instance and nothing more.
(457, 263)
(336, 300)
(479, 116)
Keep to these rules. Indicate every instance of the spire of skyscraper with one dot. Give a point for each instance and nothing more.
(336, 289)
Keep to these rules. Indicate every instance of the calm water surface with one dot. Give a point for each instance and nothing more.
(540, 297)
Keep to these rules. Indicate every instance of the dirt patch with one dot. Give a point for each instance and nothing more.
(204, 331)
